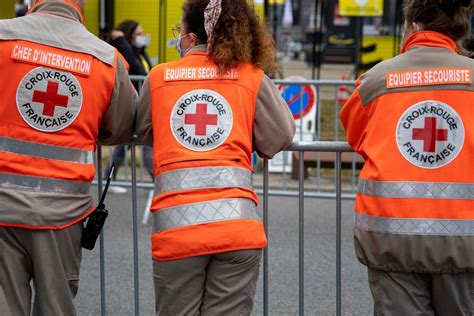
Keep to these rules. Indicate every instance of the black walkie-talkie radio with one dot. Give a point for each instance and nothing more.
(97, 218)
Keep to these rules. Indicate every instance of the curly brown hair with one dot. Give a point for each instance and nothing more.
(239, 36)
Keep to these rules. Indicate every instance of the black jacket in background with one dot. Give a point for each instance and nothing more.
(132, 56)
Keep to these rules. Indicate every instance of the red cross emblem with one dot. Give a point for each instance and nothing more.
(201, 119)
(51, 99)
(430, 134)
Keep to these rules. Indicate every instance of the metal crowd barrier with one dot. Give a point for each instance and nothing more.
(326, 93)
(301, 147)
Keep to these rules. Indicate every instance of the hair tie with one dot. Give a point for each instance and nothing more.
(211, 16)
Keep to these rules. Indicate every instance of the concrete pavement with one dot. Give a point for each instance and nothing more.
(320, 269)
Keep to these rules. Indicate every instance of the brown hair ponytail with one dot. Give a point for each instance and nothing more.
(238, 37)
(449, 17)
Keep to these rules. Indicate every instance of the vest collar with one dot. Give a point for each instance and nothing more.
(430, 39)
(63, 8)
(200, 49)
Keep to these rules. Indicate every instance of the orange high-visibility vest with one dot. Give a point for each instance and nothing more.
(412, 118)
(202, 128)
(53, 101)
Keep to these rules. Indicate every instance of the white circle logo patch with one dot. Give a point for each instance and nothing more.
(430, 134)
(201, 120)
(49, 100)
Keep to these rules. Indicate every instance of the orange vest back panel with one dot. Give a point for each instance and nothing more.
(53, 103)
(202, 128)
(61, 106)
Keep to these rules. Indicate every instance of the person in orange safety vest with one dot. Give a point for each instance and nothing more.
(62, 90)
(412, 119)
(205, 114)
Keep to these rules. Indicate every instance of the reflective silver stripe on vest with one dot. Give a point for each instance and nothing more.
(202, 213)
(432, 190)
(21, 147)
(202, 178)
(415, 226)
(39, 184)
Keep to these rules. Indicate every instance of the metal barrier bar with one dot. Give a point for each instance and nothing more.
(301, 233)
(140, 84)
(135, 233)
(137, 78)
(337, 147)
(318, 82)
(301, 114)
(285, 160)
(316, 195)
(320, 146)
(336, 116)
(265, 225)
(353, 174)
(338, 232)
(101, 238)
(318, 138)
(126, 163)
(317, 85)
(142, 163)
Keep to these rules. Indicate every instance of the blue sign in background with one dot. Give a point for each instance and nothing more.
(298, 97)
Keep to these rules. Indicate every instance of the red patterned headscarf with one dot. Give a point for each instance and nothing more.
(211, 16)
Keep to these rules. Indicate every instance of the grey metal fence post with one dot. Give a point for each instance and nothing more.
(101, 238)
(301, 233)
(135, 231)
(140, 84)
(265, 225)
(336, 116)
(142, 163)
(318, 138)
(338, 232)
(127, 176)
(301, 148)
(301, 112)
(353, 174)
(285, 160)
(142, 160)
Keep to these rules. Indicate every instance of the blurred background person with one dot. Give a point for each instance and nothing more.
(412, 119)
(20, 8)
(205, 114)
(131, 42)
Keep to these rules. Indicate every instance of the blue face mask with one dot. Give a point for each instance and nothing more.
(182, 52)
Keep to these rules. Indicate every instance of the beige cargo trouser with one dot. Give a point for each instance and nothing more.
(217, 284)
(423, 294)
(51, 259)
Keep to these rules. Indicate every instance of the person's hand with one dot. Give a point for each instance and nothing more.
(116, 34)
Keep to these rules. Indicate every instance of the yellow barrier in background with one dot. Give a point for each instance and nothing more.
(91, 16)
(383, 51)
(7, 9)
